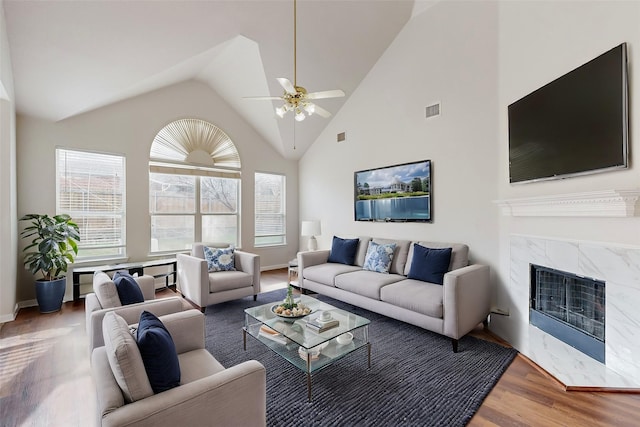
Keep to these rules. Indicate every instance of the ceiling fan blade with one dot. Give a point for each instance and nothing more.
(321, 111)
(287, 85)
(262, 98)
(325, 94)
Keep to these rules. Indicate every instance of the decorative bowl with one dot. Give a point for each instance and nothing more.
(345, 338)
(308, 311)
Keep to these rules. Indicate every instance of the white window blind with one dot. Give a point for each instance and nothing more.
(91, 188)
(270, 210)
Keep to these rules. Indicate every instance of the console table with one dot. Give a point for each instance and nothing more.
(131, 267)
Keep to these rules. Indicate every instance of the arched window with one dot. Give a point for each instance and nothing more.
(194, 186)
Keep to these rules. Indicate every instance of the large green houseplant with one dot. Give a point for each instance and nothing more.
(53, 246)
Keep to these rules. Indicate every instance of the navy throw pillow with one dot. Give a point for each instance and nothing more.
(343, 251)
(128, 289)
(429, 265)
(158, 353)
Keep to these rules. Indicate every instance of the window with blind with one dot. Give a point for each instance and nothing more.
(91, 188)
(187, 208)
(194, 186)
(270, 210)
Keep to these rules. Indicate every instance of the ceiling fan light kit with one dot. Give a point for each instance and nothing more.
(296, 98)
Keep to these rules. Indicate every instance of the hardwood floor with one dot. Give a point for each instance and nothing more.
(45, 380)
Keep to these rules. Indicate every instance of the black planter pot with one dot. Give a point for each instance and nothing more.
(50, 294)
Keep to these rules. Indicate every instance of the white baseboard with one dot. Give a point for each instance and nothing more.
(9, 317)
(273, 267)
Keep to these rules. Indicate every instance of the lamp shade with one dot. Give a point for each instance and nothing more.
(310, 228)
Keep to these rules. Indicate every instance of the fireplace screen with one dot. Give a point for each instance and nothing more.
(569, 307)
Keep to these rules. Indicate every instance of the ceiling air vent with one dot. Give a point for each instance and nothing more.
(342, 136)
(432, 110)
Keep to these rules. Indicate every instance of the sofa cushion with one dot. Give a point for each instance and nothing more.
(429, 264)
(400, 254)
(227, 280)
(219, 259)
(197, 249)
(128, 289)
(326, 273)
(459, 254)
(158, 353)
(366, 283)
(379, 257)
(197, 364)
(361, 254)
(415, 295)
(125, 359)
(343, 251)
(105, 290)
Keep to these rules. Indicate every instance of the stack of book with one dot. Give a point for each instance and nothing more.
(319, 326)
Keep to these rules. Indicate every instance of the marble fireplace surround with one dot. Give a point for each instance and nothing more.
(619, 267)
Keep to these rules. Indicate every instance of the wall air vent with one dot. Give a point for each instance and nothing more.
(432, 110)
(342, 136)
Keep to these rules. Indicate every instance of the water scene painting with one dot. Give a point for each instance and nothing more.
(400, 193)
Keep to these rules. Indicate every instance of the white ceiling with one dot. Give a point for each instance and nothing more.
(70, 57)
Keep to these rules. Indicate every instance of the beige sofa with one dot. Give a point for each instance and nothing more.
(208, 393)
(104, 299)
(203, 288)
(451, 309)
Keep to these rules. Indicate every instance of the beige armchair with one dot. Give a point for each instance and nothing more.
(203, 288)
(208, 393)
(105, 299)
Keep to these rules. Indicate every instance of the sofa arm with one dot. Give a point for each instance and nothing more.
(466, 299)
(193, 279)
(131, 314)
(309, 258)
(233, 397)
(91, 304)
(250, 264)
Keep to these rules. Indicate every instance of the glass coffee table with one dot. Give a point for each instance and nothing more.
(303, 347)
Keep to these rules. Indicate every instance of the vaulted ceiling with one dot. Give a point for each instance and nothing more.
(71, 57)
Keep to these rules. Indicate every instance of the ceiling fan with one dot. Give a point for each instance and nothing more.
(296, 98)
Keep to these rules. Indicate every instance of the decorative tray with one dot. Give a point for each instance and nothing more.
(300, 310)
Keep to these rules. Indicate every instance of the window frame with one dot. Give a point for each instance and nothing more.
(196, 213)
(79, 215)
(283, 211)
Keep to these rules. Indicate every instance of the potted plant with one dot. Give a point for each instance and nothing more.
(53, 246)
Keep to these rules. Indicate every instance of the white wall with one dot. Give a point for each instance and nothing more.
(446, 54)
(128, 128)
(475, 58)
(8, 219)
(540, 41)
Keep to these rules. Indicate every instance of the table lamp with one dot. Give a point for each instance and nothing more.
(311, 229)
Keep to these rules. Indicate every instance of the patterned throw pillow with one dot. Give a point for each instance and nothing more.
(219, 259)
(379, 257)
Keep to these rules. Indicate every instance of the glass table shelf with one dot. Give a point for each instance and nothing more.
(298, 344)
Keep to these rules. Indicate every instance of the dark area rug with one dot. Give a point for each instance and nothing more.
(415, 378)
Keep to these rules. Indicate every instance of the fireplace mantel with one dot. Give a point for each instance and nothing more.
(604, 203)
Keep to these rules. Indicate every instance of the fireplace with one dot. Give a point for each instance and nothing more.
(569, 307)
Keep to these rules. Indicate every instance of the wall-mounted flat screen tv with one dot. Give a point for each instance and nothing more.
(575, 125)
(398, 193)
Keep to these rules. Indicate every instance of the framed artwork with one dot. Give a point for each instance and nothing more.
(398, 193)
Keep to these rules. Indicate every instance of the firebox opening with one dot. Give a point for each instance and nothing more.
(569, 307)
